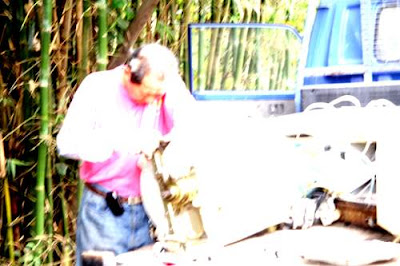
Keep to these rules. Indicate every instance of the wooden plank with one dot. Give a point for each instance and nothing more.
(357, 213)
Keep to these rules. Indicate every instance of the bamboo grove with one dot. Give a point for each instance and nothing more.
(47, 48)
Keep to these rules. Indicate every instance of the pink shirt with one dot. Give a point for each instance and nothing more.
(104, 128)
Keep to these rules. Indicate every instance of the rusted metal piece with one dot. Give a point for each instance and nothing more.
(357, 213)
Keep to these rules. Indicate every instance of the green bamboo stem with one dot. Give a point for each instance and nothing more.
(216, 76)
(286, 66)
(23, 55)
(84, 44)
(162, 19)
(49, 218)
(210, 59)
(247, 72)
(278, 77)
(272, 73)
(5, 112)
(215, 60)
(7, 199)
(214, 49)
(172, 18)
(201, 76)
(226, 48)
(10, 236)
(226, 73)
(235, 44)
(240, 54)
(63, 87)
(83, 70)
(67, 250)
(102, 59)
(184, 47)
(44, 122)
(257, 57)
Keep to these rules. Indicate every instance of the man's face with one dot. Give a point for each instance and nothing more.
(148, 91)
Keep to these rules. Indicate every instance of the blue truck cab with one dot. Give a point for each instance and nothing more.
(348, 47)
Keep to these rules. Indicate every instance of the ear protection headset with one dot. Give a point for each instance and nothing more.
(139, 66)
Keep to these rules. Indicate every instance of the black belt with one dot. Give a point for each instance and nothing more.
(133, 200)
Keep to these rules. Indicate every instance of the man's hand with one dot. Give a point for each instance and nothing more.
(149, 142)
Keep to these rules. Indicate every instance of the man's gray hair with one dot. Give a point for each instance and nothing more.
(159, 58)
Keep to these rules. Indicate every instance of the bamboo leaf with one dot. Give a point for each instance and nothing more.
(164, 30)
(61, 168)
(122, 23)
(7, 101)
(118, 3)
(12, 166)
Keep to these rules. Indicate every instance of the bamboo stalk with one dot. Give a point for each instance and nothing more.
(2, 158)
(227, 7)
(83, 69)
(225, 55)
(4, 110)
(215, 60)
(49, 218)
(226, 70)
(44, 122)
(66, 260)
(23, 55)
(257, 59)
(148, 32)
(248, 58)
(102, 59)
(272, 73)
(10, 237)
(49, 186)
(200, 61)
(7, 199)
(171, 21)
(63, 87)
(214, 49)
(83, 62)
(183, 33)
(240, 53)
(234, 44)
(79, 22)
(162, 18)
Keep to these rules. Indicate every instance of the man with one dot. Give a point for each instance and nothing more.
(115, 117)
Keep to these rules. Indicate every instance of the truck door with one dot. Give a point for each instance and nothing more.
(253, 66)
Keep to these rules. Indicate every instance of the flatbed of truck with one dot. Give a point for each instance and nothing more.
(337, 244)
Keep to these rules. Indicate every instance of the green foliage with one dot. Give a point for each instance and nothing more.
(164, 30)
(11, 166)
(120, 15)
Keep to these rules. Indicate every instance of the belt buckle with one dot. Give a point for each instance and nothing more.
(134, 200)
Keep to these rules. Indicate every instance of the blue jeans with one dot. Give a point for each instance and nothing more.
(98, 229)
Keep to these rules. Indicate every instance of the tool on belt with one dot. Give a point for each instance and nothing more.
(114, 202)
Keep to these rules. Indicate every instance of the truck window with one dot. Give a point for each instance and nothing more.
(387, 41)
(336, 36)
(251, 57)
(244, 70)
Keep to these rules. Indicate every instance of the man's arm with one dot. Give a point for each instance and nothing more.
(83, 135)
